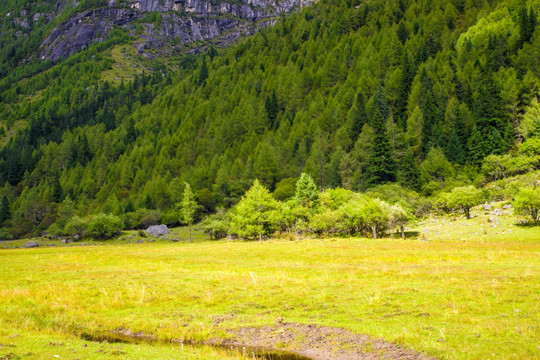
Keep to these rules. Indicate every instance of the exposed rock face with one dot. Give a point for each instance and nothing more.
(186, 20)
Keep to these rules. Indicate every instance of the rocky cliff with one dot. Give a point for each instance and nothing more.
(184, 21)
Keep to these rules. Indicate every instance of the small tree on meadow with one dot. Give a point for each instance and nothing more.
(189, 207)
(464, 198)
(527, 202)
(376, 216)
(255, 214)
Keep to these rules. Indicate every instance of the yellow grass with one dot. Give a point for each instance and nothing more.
(457, 296)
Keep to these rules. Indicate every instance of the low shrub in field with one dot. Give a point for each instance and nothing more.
(104, 226)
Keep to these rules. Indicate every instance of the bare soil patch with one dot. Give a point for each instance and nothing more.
(318, 343)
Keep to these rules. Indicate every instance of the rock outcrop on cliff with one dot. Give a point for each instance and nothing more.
(184, 21)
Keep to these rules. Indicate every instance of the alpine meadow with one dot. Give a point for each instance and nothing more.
(257, 179)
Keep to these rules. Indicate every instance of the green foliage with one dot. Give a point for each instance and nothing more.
(286, 188)
(5, 210)
(381, 166)
(306, 193)
(189, 207)
(76, 226)
(527, 203)
(464, 198)
(410, 172)
(341, 93)
(104, 226)
(436, 167)
(216, 225)
(254, 216)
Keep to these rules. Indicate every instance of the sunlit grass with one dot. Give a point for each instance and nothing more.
(456, 297)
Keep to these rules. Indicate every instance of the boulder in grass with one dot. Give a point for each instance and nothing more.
(157, 230)
(507, 206)
(31, 244)
(488, 206)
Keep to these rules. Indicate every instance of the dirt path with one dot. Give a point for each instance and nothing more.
(318, 343)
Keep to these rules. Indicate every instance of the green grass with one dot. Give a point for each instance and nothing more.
(457, 296)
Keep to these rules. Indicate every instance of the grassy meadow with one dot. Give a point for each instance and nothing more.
(471, 292)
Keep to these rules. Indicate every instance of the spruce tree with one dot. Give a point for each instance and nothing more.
(56, 190)
(477, 146)
(410, 172)
(357, 116)
(203, 73)
(381, 166)
(5, 210)
(454, 149)
(271, 106)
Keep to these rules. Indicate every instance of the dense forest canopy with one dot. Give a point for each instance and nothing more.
(356, 94)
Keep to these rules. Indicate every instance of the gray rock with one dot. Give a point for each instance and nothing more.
(31, 244)
(188, 21)
(487, 207)
(175, 240)
(507, 206)
(157, 230)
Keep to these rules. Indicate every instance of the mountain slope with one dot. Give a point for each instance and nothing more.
(308, 94)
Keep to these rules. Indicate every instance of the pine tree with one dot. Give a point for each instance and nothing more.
(189, 207)
(381, 166)
(454, 149)
(5, 210)
(410, 172)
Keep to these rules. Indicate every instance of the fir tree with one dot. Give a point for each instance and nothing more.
(381, 166)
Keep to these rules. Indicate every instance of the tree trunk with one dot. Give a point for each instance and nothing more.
(374, 229)
(260, 235)
(402, 228)
(190, 233)
(468, 212)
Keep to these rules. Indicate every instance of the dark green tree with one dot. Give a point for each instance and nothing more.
(5, 210)
(381, 166)
(402, 32)
(203, 73)
(410, 172)
(56, 189)
(271, 106)
(454, 149)
(357, 116)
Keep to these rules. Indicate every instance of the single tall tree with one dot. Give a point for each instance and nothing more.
(381, 166)
(189, 207)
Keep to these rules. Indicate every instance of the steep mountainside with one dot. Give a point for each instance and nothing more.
(354, 93)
